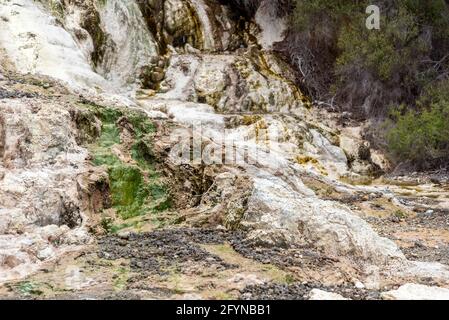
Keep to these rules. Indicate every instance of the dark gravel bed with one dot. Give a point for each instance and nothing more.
(155, 251)
(300, 291)
(283, 257)
(8, 94)
(420, 252)
(437, 220)
(150, 251)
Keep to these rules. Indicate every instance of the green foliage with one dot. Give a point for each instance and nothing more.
(432, 13)
(434, 93)
(420, 137)
(393, 49)
(306, 12)
(411, 32)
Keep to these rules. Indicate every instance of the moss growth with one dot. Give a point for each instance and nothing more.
(159, 193)
(108, 225)
(27, 288)
(105, 158)
(141, 124)
(120, 278)
(135, 187)
(105, 114)
(110, 136)
(118, 227)
(128, 190)
(141, 152)
(400, 214)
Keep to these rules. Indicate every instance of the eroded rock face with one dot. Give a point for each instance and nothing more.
(130, 45)
(283, 215)
(40, 152)
(231, 83)
(103, 46)
(273, 205)
(272, 26)
(263, 194)
(40, 205)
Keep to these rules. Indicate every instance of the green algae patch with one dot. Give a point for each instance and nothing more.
(129, 191)
(27, 288)
(110, 135)
(134, 195)
(141, 124)
(118, 227)
(121, 277)
(135, 186)
(142, 153)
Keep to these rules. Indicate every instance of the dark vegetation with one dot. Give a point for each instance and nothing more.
(397, 76)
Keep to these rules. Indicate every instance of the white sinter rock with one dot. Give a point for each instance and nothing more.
(37, 44)
(317, 294)
(412, 291)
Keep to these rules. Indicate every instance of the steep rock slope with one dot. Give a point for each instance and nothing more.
(259, 149)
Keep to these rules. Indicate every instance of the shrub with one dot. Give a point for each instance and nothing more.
(421, 137)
